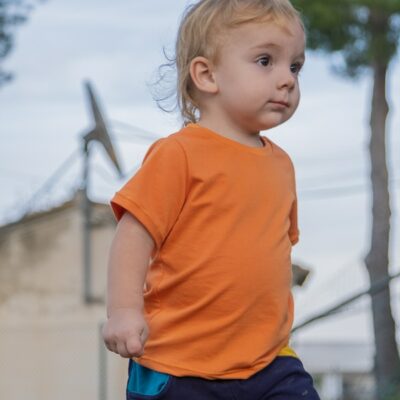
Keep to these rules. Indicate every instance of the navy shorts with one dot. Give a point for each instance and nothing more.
(284, 379)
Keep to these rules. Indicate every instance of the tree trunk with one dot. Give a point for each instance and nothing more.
(387, 361)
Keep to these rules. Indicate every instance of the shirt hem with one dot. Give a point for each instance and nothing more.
(235, 374)
(180, 372)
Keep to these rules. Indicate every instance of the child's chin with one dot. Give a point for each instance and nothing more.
(270, 125)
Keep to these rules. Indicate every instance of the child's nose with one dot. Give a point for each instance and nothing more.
(286, 78)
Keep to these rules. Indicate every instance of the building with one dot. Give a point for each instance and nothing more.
(341, 371)
(50, 339)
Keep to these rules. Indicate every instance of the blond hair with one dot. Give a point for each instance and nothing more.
(201, 33)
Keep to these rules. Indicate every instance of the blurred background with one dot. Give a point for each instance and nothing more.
(73, 74)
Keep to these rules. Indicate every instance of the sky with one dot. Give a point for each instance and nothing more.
(118, 46)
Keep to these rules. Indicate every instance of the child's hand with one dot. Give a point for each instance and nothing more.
(125, 332)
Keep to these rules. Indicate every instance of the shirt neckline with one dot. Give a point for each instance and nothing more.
(266, 149)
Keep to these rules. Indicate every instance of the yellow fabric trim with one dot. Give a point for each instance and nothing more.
(288, 351)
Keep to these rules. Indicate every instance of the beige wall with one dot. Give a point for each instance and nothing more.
(50, 342)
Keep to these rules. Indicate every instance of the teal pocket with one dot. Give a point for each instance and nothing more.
(144, 381)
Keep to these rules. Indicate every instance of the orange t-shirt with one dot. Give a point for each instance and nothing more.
(223, 216)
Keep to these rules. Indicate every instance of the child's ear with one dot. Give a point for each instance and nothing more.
(202, 74)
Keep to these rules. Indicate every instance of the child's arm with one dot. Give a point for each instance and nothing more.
(125, 331)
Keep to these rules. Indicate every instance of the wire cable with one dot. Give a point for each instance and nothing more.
(48, 184)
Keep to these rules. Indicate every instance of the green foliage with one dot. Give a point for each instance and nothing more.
(363, 32)
(12, 14)
(393, 396)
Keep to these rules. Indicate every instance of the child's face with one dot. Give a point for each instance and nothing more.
(257, 74)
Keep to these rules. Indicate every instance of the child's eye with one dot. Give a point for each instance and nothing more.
(264, 61)
(295, 68)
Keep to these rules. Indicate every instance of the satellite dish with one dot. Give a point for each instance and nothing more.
(100, 131)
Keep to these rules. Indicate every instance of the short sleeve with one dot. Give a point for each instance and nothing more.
(293, 229)
(294, 232)
(156, 193)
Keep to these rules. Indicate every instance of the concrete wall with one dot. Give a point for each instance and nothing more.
(50, 342)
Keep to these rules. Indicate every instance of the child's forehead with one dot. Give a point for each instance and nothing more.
(269, 33)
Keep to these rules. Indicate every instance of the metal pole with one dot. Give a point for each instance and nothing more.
(86, 208)
(102, 366)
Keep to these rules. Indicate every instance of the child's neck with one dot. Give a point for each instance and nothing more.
(229, 130)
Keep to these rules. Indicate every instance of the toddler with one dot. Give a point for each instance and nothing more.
(199, 282)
